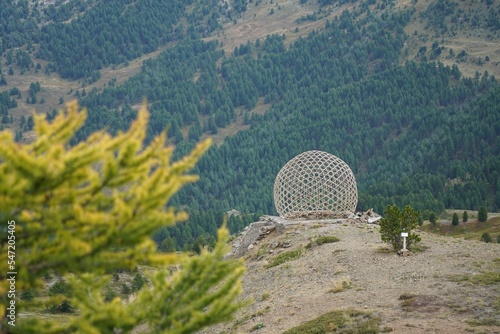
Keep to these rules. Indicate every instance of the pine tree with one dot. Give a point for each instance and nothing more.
(454, 220)
(80, 213)
(167, 245)
(138, 282)
(433, 218)
(395, 222)
(420, 220)
(465, 217)
(482, 214)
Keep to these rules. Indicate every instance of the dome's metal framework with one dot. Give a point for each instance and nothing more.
(315, 184)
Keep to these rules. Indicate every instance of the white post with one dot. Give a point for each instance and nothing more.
(404, 235)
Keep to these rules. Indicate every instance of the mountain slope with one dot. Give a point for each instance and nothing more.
(468, 29)
(449, 286)
(418, 134)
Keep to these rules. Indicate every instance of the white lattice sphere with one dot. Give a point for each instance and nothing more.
(315, 183)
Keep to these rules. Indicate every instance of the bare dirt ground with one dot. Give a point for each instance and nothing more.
(257, 22)
(431, 291)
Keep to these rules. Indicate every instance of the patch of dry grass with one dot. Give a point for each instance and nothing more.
(420, 303)
(341, 284)
(342, 321)
(471, 230)
(257, 22)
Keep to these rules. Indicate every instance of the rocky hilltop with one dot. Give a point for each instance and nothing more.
(301, 271)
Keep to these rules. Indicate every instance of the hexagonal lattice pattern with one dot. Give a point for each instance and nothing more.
(315, 184)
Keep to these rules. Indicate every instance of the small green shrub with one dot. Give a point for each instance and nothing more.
(407, 296)
(263, 250)
(485, 278)
(260, 325)
(458, 278)
(486, 237)
(341, 321)
(341, 285)
(125, 290)
(47, 275)
(285, 257)
(108, 295)
(325, 239)
(60, 288)
(261, 312)
(27, 295)
(138, 282)
(483, 322)
(64, 307)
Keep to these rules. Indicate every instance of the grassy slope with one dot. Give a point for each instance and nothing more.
(471, 230)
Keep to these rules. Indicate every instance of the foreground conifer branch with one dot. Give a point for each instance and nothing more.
(81, 212)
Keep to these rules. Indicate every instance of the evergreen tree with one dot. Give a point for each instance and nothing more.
(138, 282)
(125, 290)
(18, 137)
(454, 220)
(433, 218)
(486, 237)
(30, 123)
(482, 214)
(465, 217)
(68, 211)
(211, 125)
(395, 222)
(167, 245)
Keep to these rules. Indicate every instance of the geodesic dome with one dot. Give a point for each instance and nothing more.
(315, 183)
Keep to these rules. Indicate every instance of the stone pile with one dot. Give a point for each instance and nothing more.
(257, 231)
(369, 217)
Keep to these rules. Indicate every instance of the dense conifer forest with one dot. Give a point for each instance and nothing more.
(418, 134)
(105, 32)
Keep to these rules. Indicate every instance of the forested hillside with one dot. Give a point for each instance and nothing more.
(82, 37)
(419, 133)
